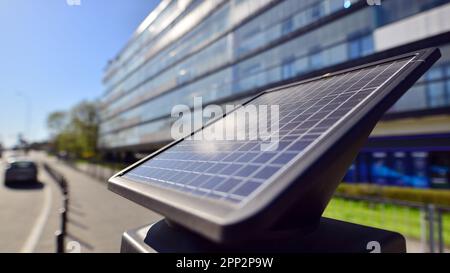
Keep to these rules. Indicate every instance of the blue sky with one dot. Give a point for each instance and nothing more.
(52, 56)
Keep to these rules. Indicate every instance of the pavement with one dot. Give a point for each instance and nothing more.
(96, 219)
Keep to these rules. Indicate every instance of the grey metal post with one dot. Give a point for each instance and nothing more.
(59, 235)
(431, 227)
(423, 228)
(440, 231)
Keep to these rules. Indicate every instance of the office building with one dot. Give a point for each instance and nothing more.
(225, 51)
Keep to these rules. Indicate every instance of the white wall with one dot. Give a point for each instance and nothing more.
(423, 25)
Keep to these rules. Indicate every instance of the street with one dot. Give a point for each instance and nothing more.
(96, 219)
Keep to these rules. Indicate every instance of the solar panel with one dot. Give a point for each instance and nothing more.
(220, 182)
(232, 170)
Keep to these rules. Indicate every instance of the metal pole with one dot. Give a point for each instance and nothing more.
(61, 233)
(431, 227)
(423, 229)
(63, 221)
(59, 242)
(440, 231)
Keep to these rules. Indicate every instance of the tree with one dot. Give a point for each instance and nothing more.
(75, 132)
(84, 124)
(57, 122)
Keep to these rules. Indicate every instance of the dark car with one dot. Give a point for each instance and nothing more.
(19, 170)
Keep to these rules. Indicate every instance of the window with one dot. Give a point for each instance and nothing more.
(250, 32)
(435, 74)
(363, 167)
(287, 26)
(335, 5)
(354, 51)
(426, 5)
(414, 99)
(436, 95)
(366, 45)
(447, 70)
(249, 70)
(287, 68)
(448, 92)
(337, 54)
(420, 172)
(439, 166)
(379, 168)
(316, 60)
(301, 65)
(391, 11)
(431, 91)
(249, 77)
(316, 11)
(361, 46)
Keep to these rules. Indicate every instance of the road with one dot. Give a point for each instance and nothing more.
(97, 218)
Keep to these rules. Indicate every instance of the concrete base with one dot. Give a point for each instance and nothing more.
(331, 236)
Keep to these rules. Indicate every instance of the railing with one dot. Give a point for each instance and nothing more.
(64, 210)
(96, 171)
(426, 227)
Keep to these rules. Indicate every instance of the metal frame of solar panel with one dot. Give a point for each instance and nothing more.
(241, 193)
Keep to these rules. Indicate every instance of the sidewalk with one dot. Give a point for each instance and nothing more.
(98, 217)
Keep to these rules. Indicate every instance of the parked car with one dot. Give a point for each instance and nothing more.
(21, 170)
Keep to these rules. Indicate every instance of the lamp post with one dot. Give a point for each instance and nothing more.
(28, 109)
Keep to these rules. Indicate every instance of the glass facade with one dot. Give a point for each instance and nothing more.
(432, 90)
(402, 168)
(223, 50)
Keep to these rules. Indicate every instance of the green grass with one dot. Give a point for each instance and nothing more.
(438, 197)
(406, 221)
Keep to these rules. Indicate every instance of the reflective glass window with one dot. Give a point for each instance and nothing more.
(436, 94)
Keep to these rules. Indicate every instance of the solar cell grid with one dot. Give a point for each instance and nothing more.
(233, 170)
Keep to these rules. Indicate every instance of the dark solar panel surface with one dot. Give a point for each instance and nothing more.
(234, 170)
